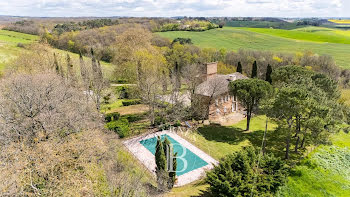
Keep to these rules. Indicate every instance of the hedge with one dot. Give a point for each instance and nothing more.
(112, 116)
(134, 117)
(131, 102)
(127, 92)
(120, 126)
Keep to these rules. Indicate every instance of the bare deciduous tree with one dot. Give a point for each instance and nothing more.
(40, 102)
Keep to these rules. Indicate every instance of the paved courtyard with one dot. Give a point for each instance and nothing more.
(148, 159)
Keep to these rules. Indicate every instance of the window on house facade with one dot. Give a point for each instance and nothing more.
(234, 106)
(217, 111)
(216, 102)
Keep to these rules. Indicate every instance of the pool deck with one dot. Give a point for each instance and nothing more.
(148, 159)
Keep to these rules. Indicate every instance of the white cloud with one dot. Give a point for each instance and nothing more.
(288, 8)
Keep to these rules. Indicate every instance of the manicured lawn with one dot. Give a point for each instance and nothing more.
(132, 109)
(219, 141)
(294, 41)
(324, 173)
(194, 189)
(108, 108)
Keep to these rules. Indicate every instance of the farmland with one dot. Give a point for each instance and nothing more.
(318, 40)
(8, 45)
(9, 49)
(346, 21)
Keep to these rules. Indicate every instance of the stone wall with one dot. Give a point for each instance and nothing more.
(223, 105)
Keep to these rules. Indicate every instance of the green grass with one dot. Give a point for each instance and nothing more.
(262, 24)
(326, 171)
(8, 45)
(107, 108)
(9, 50)
(314, 34)
(219, 141)
(345, 96)
(232, 38)
(14, 37)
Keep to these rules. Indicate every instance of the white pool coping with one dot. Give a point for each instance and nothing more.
(148, 159)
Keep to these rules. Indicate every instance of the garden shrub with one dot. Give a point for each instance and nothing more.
(112, 116)
(158, 120)
(134, 117)
(164, 127)
(127, 92)
(120, 126)
(177, 123)
(238, 175)
(131, 102)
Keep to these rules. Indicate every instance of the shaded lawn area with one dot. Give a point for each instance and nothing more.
(117, 106)
(197, 189)
(219, 141)
(132, 109)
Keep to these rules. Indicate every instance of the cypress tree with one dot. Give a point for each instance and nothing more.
(160, 155)
(70, 70)
(166, 169)
(255, 70)
(166, 146)
(172, 174)
(57, 67)
(239, 67)
(268, 73)
(161, 172)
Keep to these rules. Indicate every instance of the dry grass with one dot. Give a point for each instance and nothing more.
(132, 109)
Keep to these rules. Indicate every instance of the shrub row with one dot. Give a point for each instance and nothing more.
(127, 92)
(134, 117)
(112, 116)
(131, 102)
(121, 127)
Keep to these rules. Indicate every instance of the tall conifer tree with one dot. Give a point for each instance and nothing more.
(239, 67)
(255, 70)
(268, 73)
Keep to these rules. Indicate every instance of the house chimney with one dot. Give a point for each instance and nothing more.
(211, 70)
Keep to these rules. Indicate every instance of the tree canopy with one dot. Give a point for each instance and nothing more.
(240, 175)
(249, 92)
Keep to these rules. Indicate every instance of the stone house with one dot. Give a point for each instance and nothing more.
(214, 100)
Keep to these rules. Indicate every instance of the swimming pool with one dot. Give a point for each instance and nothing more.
(193, 161)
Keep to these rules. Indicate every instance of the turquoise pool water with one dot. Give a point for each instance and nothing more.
(193, 161)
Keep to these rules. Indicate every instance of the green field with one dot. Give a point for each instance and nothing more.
(8, 45)
(326, 172)
(9, 50)
(322, 41)
(314, 34)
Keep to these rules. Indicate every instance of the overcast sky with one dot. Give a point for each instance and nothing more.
(275, 8)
